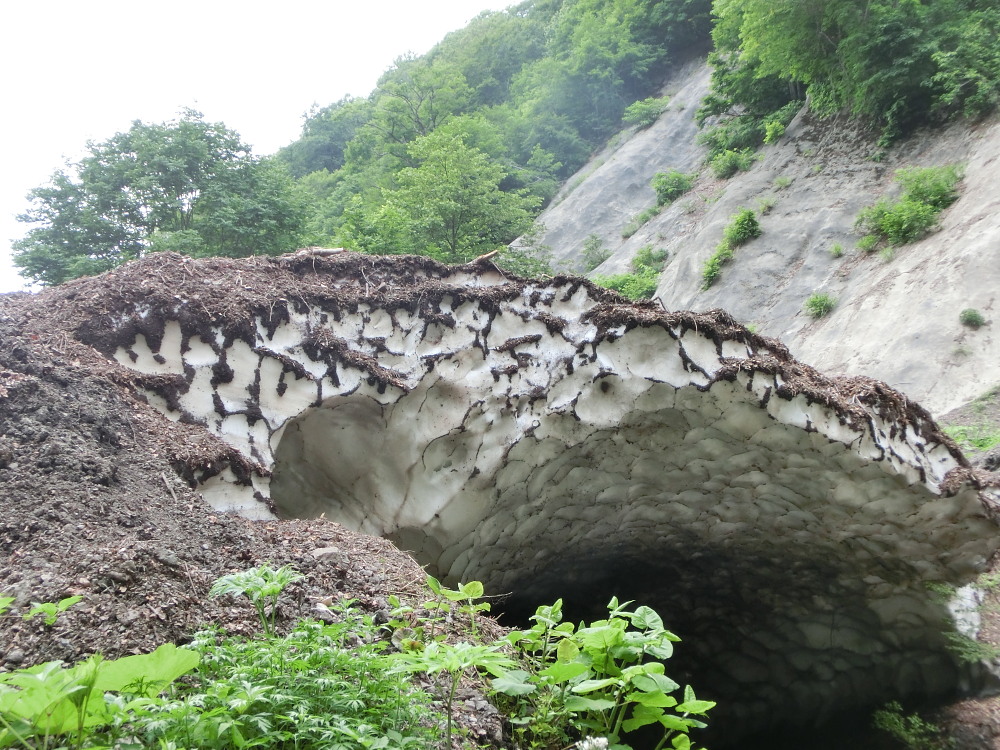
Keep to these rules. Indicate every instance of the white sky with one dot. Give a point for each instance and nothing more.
(79, 70)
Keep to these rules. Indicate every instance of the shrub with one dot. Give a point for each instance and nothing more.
(971, 317)
(782, 182)
(742, 228)
(633, 226)
(927, 191)
(712, 269)
(819, 305)
(670, 186)
(934, 186)
(642, 283)
(645, 112)
(648, 258)
(837, 250)
(729, 162)
(765, 204)
(773, 130)
(594, 253)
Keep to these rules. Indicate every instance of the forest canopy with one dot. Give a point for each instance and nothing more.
(456, 151)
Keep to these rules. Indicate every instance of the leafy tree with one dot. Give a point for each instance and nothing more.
(449, 205)
(325, 135)
(185, 185)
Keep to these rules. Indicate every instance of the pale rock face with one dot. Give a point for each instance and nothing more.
(550, 443)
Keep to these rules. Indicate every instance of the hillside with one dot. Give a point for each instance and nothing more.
(895, 319)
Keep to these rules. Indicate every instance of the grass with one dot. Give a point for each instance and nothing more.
(974, 437)
(743, 227)
(819, 305)
(972, 318)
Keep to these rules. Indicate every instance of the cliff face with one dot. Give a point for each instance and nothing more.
(896, 320)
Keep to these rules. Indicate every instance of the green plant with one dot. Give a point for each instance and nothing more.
(972, 318)
(782, 182)
(466, 594)
(910, 729)
(262, 586)
(765, 204)
(5, 602)
(642, 282)
(51, 610)
(773, 130)
(819, 305)
(645, 112)
(729, 162)
(743, 227)
(594, 253)
(712, 268)
(454, 660)
(926, 192)
(606, 678)
(633, 226)
(670, 186)
(974, 437)
(319, 686)
(868, 243)
(836, 250)
(49, 700)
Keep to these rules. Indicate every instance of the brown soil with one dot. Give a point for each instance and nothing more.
(93, 506)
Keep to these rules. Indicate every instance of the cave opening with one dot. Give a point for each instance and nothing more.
(789, 618)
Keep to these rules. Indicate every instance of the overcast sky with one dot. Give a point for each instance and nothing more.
(79, 70)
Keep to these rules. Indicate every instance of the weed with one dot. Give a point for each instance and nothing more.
(633, 226)
(742, 227)
(466, 594)
(454, 660)
(969, 649)
(910, 729)
(729, 162)
(926, 192)
(51, 610)
(972, 318)
(670, 186)
(610, 674)
(5, 602)
(837, 250)
(817, 168)
(819, 305)
(642, 282)
(887, 254)
(773, 130)
(974, 437)
(868, 243)
(594, 253)
(765, 204)
(782, 182)
(645, 112)
(262, 586)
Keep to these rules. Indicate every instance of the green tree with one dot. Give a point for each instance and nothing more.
(449, 205)
(184, 185)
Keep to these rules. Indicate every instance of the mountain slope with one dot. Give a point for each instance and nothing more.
(895, 320)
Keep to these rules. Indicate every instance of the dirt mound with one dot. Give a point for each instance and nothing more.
(92, 506)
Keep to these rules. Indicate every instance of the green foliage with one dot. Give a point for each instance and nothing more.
(765, 204)
(897, 64)
(645, 277)
(781, 182)
(670, 186)
(773, 130)
(594, 253)
(5, 602)
(51, 610)
(742, 227)
(836, 250)
(926, 192)
(645, 112)
(608, 676)
(262, 586)
(636, 223)
(728, 162)
(320, 686)
(974, 437)
(136, 191)
(47, 701)
(453, 660)
(910, 729)
(972, 318)
(819, 305)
